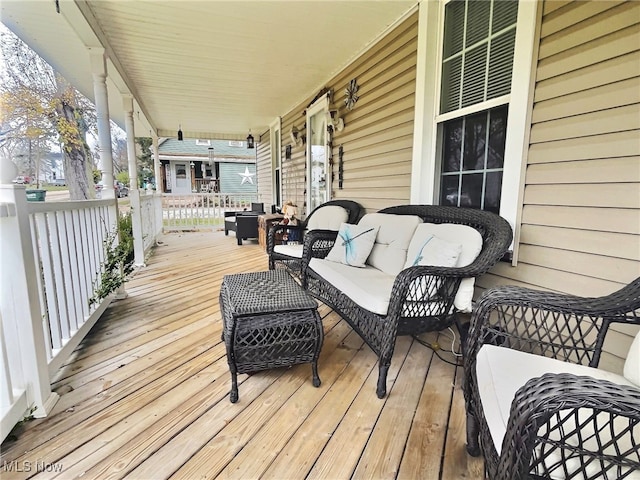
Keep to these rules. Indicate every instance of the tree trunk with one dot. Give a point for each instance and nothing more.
(77, 168)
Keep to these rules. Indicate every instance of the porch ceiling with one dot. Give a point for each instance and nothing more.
(217, 68)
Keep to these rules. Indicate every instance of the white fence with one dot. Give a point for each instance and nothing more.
(195, 210)
(146, 210)
(51, 256)
(68, 246)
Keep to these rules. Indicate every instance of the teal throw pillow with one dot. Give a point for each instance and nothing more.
(353, 244)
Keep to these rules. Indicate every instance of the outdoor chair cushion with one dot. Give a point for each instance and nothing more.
(368, 287)
(294, 251)
(329, 217)
(502, 371)
(389, 252)
(470, 240)
(632, 365)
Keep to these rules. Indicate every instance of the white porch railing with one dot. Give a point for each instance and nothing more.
(68, 245)
(190, 211)
(148, 225)
(51, 256)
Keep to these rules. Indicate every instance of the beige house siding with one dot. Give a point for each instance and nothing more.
(378, 134)
(581, 211)
(264, 171)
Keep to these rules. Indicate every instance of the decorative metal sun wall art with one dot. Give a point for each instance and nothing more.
(351, 94)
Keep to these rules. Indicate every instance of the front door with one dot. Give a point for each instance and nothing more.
(183, 178)
(318, 185)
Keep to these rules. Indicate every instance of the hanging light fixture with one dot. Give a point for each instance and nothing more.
(211, 157)
(250, 143)
(180, 132)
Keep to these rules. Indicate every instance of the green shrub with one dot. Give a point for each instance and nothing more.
(118, 262)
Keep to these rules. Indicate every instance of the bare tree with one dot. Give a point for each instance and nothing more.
(41, 104)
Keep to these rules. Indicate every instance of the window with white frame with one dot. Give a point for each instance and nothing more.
(475, 86)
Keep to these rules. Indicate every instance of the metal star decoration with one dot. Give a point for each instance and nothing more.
(246, 176)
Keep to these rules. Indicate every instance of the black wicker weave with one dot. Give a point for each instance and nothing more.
(294, 265)
(269, 321)
(544, 414)
(413, 309)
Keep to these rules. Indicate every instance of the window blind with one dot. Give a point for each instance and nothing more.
(479, 39)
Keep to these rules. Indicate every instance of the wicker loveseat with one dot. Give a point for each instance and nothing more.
(536, 401)
(414, 299)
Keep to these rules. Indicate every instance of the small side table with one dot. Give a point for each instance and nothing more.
(265, 223)
(269, 321)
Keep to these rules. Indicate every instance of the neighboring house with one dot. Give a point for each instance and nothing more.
(439, 120)
(192, 165)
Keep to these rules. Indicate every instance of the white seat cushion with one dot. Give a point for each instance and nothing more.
(289, 250)
(368, 287)
(632, 364)
(502, 371)
(389, 253)
(230, 219)
(328, 218)
(470, 240)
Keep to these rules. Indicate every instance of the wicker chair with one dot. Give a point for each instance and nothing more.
(244, 223)
(290, 257)
(411, 311)
(570, 419)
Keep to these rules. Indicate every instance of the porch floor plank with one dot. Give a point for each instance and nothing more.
(146, 394)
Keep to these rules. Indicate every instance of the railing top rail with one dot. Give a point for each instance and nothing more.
(40, 207)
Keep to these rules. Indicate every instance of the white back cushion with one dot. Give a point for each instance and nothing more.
(470, 240)
(328, 218)
(632, 365)
(389, 253)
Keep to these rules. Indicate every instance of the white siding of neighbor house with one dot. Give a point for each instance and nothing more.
(581, 211)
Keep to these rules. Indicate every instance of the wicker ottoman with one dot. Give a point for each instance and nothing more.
(269, 321)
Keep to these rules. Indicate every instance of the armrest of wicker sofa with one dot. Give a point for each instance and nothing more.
(556, 414)
(317, 244)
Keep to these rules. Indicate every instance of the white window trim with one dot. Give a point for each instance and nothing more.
(320, 105)
(425, 165)
(276, 156)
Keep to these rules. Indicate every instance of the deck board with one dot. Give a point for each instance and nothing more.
(145, 395)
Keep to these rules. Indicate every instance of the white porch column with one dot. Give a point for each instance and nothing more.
(24, 356)
(134, 191)
(127, 104)
(156, 166)
(99, 71)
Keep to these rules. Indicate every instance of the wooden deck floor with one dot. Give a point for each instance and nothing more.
(146, 395)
